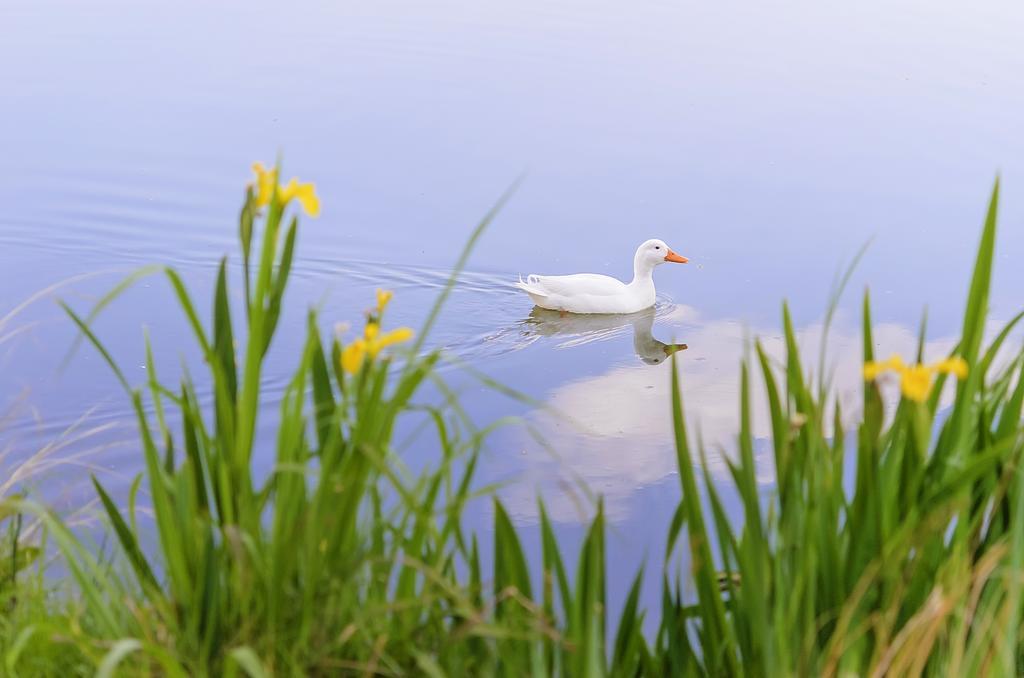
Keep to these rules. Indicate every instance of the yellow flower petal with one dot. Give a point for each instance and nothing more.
(956, 366)
(352, 356)
(265, 180)
(286, 192)
(872, 370)
(306, 195)
(916, 382)
(402, 334)
(383, 297)
(371, 331)
(894, 363)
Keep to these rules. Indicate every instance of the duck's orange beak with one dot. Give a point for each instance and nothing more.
(672, 256)
(674, 348)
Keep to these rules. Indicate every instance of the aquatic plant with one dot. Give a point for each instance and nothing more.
(915, 569)
(342, 560)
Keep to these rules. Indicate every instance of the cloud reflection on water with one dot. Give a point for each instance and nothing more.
(612, 431)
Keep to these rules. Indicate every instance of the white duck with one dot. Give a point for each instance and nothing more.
(593, 293)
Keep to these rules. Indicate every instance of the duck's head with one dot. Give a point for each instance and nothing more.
(659, 352)
(654, 252)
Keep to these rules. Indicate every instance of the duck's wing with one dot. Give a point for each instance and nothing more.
(571, 285)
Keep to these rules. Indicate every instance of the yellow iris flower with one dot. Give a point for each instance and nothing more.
(373, 341)
(266, 180)
(353, 355)
(916, 379)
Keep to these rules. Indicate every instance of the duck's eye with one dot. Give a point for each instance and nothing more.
(657, 247)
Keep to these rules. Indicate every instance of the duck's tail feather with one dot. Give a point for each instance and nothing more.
(531, 286)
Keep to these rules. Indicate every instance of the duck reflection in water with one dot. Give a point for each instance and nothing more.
(583, 329)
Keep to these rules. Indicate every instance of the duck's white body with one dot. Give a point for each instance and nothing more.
(593, 293)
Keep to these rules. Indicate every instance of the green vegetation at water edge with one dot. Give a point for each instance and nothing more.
(344, 561)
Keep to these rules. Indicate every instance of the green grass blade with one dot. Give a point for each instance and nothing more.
(128, 542)
(629, 639)
(719, 651)
(460, 264)
(98, 346)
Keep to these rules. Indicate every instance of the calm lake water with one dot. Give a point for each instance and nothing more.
(766, 143)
